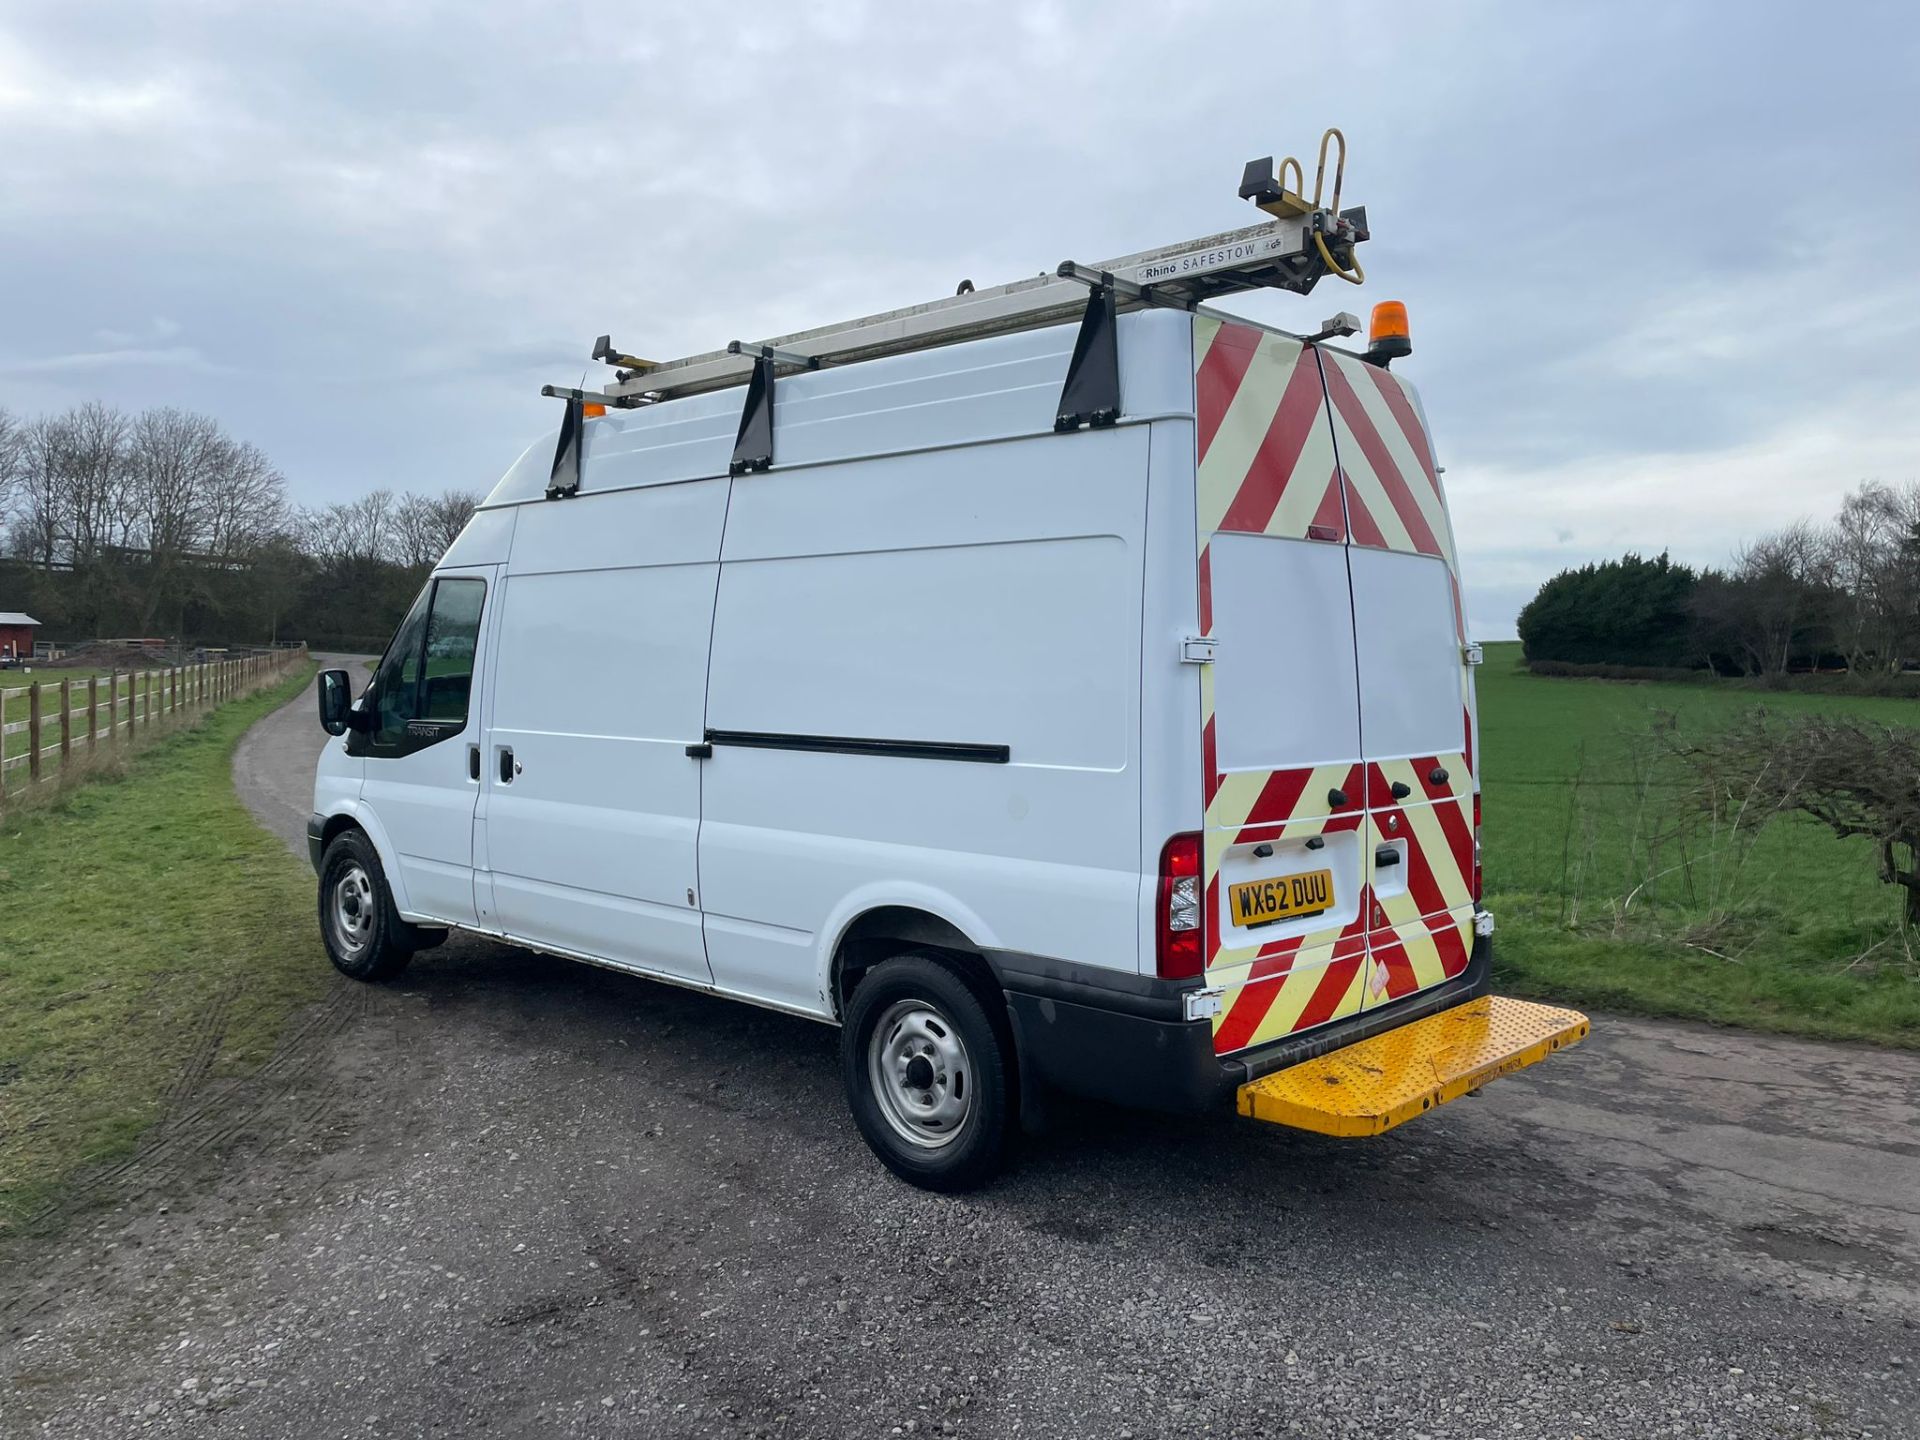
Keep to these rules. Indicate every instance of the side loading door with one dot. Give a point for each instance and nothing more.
(427, 698)
(1416, 698)
(592, 810)
(1284, 863)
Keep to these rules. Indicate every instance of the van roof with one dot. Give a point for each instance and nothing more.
(995, 388)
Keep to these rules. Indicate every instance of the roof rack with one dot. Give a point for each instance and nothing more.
(1300, 243)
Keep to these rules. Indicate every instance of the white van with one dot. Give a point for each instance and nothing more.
(1135, 758)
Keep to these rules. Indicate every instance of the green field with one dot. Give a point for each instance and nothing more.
(1787, 929)
(130, 911)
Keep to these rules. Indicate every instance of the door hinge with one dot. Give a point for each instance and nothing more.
(1472, 654)
(1195, 651)
(1202, 1004)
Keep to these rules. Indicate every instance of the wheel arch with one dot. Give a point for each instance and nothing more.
(355, 816)
(875, 927)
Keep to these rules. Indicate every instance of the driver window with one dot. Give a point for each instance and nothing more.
(428, 670)
(453, 634)
(396, 682)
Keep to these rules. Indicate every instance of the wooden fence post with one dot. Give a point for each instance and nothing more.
(93, 711)
(66, 721)
(33, 732)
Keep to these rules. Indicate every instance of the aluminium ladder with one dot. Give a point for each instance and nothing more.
(1294, 249)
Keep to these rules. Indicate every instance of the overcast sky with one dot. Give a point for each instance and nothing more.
(1662, 261)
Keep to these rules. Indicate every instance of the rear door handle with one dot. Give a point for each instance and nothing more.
(1386, 855)
(473, 762)
(507, 768)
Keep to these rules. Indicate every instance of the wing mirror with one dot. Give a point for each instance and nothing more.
(336, 702)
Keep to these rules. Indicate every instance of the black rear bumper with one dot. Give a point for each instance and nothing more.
(1124, 1038)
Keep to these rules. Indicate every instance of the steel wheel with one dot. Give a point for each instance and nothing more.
(921, 1074)
(352, 910)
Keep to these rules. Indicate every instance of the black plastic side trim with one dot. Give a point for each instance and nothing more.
(1147, 996)
(1106, 1054)
(853, 745)
(316, 844)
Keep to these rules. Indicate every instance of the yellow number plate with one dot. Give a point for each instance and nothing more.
(1261, 902)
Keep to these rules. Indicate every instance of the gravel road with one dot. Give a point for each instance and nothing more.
(513, 1196)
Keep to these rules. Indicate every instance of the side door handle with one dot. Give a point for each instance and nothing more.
(473, 762)
(507, 768)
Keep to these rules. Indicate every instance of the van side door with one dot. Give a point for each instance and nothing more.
(593, 795)
(424, 718)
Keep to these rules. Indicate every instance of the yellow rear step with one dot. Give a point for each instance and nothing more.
(1374, 1085)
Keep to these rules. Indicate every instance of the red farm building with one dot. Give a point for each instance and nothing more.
(16, 635)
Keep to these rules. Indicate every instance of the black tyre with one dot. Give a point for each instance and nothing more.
(365, 936)
(928, 1074)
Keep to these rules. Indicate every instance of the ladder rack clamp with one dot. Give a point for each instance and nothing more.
(594, 397)
(780, 357)
(1091, 394)
(564, 481)
(753, 444)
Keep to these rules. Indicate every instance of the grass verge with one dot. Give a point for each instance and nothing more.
(1785, 929)
(1782, 989)
(130, 911)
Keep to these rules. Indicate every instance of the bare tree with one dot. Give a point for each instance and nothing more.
(354, 530)
(1854, 777)
(1775, 594)
(413, 532)
(173, 458)
(1875, 579)
(95, 481)
(39, 487)
(11, 441)
(451, 512)
(246, 505)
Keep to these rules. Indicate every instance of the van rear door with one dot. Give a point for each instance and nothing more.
(1285, 864)
(1415, 692)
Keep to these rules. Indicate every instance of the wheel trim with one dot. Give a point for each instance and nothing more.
(921, 1074)
(350, 910)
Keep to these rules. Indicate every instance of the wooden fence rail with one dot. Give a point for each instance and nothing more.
(114, 709)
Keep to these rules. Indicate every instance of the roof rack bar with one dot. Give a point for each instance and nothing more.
(767, 352)
(1297, 245)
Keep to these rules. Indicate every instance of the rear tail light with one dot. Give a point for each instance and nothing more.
(1177, 916)
(1476, 847)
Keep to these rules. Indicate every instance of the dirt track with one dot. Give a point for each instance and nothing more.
(514, 1196)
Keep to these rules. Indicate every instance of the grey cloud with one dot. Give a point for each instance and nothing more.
(1628, 235)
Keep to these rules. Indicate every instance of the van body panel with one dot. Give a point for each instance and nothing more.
(1170, 802)
(1002, 387)
(984, 596)
(484, 540)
